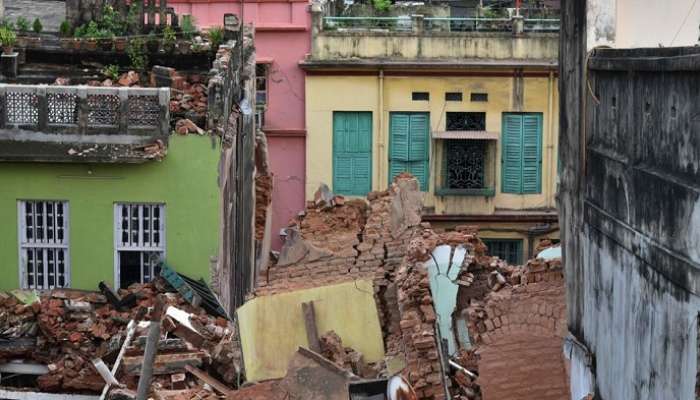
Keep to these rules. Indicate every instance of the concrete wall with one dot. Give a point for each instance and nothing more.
(272, 327)
(330, 45)
(186, 181)
(539, 96)
(282, 39)
(652, 23)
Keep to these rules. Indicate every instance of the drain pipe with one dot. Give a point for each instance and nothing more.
(380, 131)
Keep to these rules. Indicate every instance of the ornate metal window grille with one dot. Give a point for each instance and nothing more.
(465, 162)
(140, 242)
(103, 109)
(62, 108)
(466, 121)
(144, 111)
(43, 244)
(22, 108)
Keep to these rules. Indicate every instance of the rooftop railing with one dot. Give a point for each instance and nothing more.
(437, 24)
(85, 110)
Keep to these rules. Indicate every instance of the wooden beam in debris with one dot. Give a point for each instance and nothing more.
(208, 379)
(311, 329)
(165, 364)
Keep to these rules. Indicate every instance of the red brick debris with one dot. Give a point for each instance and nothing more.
(67, 329)
(381, 238)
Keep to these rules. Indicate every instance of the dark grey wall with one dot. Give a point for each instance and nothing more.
(630, 212)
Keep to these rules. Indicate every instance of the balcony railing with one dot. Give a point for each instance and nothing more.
(85, 110)
(396, 24)
(436, 24)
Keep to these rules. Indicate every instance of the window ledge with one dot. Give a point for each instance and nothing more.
(487, 192)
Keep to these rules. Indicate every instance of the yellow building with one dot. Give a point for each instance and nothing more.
(472, 114)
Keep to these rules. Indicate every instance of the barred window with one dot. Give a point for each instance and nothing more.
(43, 244)
(140, 242)
(509, 250)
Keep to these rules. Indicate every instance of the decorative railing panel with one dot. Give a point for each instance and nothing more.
(85, 110)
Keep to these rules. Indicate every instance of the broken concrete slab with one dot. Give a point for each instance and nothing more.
(310, 376)
(272, 327)
(21, 395)
(164, 364)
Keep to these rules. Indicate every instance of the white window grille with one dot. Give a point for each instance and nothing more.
(43, 244)
(139, 242)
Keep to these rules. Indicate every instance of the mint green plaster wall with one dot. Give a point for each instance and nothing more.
(186, 181)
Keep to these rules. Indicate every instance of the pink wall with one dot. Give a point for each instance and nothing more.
(282, 39)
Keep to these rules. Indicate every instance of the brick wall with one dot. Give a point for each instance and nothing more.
(518, 333)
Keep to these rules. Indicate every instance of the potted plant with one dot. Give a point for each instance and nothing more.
(169, 39)
(216, 37)
(152, 43)
(22, 30)
(105, 40)
(35, 40)
(120, 44)
(189, 31)
(92, 32)
(65, 31)
(8, 39)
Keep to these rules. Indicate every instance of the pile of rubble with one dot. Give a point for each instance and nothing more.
(73, 332)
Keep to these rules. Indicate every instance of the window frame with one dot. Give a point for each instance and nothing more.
(520, 243)
(23, 244)
(119, 247)
(261, 108)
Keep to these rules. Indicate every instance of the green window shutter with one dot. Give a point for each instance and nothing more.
(409, 146)
(511, 151)
(352, 153)
(532, 153)
(398, 147)
(521, 154)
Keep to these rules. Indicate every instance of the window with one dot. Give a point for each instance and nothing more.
(43, 244)
(465, 155)
(408, 145)
(464, 164)
(261, 71)
(521, 153)
(509, 250)
(140, 242)
(352, 153)
(480, 97)
(453, 96)
(466, 121)
(420, 96)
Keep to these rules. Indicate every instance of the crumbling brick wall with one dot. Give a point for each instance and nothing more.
(521, 328)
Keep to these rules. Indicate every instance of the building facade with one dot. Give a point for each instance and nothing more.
(629, 198)
(472, 113)
(74, 225)
(282, 31)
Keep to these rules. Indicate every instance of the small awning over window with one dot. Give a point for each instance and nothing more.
(473, 135)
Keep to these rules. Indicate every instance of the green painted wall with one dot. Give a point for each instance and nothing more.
(186, 181)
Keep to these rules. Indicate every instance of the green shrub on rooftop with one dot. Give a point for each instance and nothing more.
(37, 27)
(22, 25)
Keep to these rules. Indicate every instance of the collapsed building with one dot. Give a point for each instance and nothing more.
(373, 289)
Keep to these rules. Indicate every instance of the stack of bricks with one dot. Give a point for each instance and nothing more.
(348, 240)
(523, 325)
(418, 342)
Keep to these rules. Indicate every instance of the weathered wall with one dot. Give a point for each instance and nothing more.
(282, 39)
(329, 45)
(540, 95)
(629, 24)
(629, 204)
(186, 181)
(272, 327)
